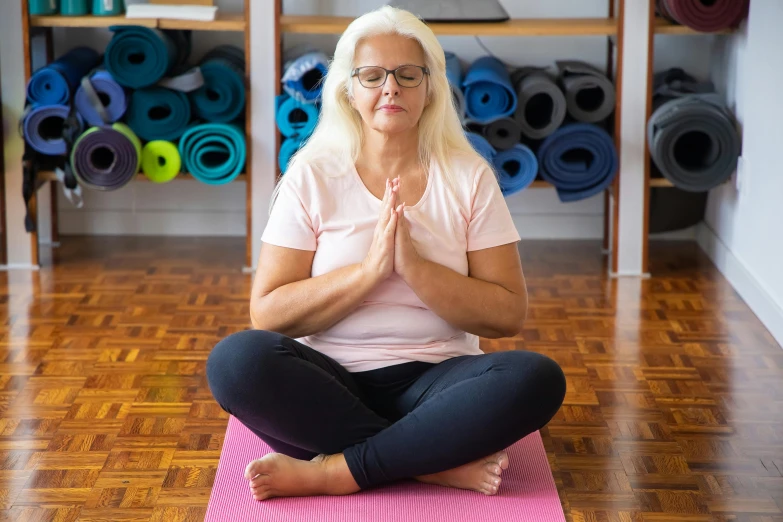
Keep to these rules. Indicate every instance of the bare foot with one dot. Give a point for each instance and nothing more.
(482, 475)
(278, 475)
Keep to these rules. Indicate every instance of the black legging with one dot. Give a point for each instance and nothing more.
(392, 423)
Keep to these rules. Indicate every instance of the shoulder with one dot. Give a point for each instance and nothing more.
(308, 175)
(469, 170)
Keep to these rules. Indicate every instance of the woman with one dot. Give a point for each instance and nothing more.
(389, 250)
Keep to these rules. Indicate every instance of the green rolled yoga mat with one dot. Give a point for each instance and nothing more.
(106, 158)
(160, 161)
(222, 97)
(139, 57)
(213, 153)
(157, 113)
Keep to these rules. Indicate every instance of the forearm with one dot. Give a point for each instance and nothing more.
(312, 305)
(475, 306)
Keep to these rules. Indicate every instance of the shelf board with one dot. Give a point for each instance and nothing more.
(224, 22)
(48, 175)
(539, 183)
(660, 182)
(516, 27)
(664, 26)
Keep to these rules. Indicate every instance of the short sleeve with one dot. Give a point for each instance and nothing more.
(289, 224)
(490, 222)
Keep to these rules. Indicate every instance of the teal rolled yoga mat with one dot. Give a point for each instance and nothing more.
(108, 7)
(287, 149)
(213, 153)
(74, 7)
(222, 97)
(43, 7)
(157, 113)
(138, 57)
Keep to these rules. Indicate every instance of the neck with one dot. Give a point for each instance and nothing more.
(386, 153)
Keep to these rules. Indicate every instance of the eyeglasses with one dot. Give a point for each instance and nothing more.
(373, 77)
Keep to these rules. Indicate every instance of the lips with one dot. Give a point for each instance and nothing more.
(391, 108)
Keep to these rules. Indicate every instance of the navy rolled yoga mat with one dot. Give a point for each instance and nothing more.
(55, 83)
(516, 169)
(158, 113)
(579, 160)
(488, 91)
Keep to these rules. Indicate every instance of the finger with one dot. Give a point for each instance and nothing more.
(392, 224)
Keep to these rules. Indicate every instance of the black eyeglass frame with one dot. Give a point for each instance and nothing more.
(424, 69)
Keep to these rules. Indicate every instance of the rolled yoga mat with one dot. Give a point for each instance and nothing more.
(699, 15)
(579, 160)
(527, 492)
(160, 161)
(488, 91)
(106, 158)
(222, 97)
(295, 118)
(454, 75)
(112, 95)
(55, 83)
(158, 113)
(482, 146)
(287, 149)
(43, 129)
(541, 106)
(303, 76)
(213, 153)
(590, 95)
(138, 57)
(694, 141)
(503, 133)
(516, 169)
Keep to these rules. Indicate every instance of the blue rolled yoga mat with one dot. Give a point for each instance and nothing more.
(106, 158)
(158, 113)
(482, 146)
(222, 97)
(489, 94)
(516, 169)
(112, 94)
(294, 118)
(43, 129)
(579, 159)
(287, 149)
(213, 153)
(139, 57)
(303, 76)
(54, 83)
(453, 69)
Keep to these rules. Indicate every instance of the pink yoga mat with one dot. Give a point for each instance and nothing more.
(527, 493)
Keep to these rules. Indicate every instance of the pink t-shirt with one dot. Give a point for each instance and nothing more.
(336, 216)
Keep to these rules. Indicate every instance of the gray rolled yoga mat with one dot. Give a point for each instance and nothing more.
(541, 108)
(503, 133)
(459, 101)
(590, 95)
(692, 135)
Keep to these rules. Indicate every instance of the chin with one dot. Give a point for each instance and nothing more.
(392, 127)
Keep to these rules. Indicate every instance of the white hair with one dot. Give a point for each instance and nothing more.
(339, 130)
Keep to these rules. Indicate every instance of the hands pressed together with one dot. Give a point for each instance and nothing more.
(392, 249)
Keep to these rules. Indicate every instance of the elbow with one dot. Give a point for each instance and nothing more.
(259, 315)
(514, 320)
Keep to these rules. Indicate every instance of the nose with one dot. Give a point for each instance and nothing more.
(391, 87)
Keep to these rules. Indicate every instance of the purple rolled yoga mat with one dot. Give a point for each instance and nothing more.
(106, 158)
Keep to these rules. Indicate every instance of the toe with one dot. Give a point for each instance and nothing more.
(501, 459)
(253, 469)
(492, 468)
(489, 489)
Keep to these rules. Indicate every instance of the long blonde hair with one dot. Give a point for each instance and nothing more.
(339, 130)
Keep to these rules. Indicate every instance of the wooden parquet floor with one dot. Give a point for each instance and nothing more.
(674, 409)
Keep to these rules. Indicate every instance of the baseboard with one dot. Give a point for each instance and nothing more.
(769, 312)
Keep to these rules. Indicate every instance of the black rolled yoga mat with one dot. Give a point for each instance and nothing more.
(590, 95)
(541, 105)
(503, 133)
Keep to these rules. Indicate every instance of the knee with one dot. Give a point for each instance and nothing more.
(238, 363)
(535, 379)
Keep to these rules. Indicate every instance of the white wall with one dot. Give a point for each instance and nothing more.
(742, 231)
(137, 209)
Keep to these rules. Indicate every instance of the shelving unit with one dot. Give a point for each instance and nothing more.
(224, 22)
(608, 26)
(658, 26)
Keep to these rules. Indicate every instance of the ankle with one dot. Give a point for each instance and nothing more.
(337, 475)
